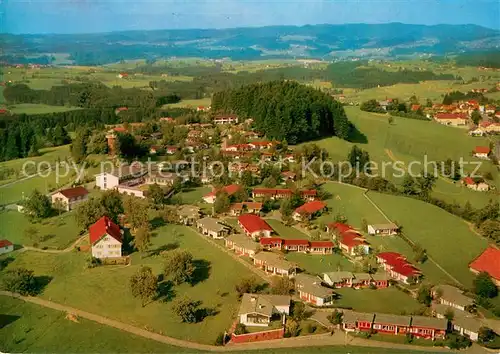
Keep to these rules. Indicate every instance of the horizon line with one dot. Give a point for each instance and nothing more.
(243, 27)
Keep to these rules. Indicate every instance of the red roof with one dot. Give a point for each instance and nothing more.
(5, 243)
(249, 205)
(119, 109)
(311, 207)
(391, 257)
(406, 270)
(399, 264)
(489, 262)
(253, 223)
(451, 116)
(260, 143)
(119, 129)
(311, 192)
(270, 240)
(2, 111)
(74, 192)
(295, 242)
(415, 107)
(352, 240)
(104, 226)
(320, 244)
(340, 227)
(469, 181)
(482, 150)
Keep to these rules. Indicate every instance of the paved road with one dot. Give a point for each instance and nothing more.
(338, 339)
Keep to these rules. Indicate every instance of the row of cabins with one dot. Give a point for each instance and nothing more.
(342, 279)
(398, 267)
(418, 326)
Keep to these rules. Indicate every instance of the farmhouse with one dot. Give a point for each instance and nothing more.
(481, 152)
(489, 262)
(254, 226)
(308, 210)
(69, 198)
(188, 214)
(353, 244)
(398, 267)
(355, 280)
(6, 246)
(105, 239)
(274, 264)
(242, 245)
(237, 209)
(310, 290)
(258, 309)
(453, 297)
(475, 184)
(453, 119)
(383, 229)
(211, 227)
(230, 190)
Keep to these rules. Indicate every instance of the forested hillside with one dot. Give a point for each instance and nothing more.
(286, 110)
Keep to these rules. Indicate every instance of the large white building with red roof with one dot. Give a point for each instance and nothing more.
(105, 239)
(254, 226)
(489, 262)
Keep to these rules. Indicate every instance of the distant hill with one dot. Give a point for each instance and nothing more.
(311, 41)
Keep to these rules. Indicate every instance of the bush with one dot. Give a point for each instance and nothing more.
(240, 329)
(311, 328)
(220, 340)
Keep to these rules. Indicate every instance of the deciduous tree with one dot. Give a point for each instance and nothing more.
(144, 284)
(179, 266)
(186, 309)
(19, 280)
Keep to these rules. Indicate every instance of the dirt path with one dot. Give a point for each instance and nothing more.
(337, 339)
(66, 250)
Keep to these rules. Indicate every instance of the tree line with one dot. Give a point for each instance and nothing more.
(286, 110)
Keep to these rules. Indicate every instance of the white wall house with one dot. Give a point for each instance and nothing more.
(6, 246)
(69, 198)
(105, 239)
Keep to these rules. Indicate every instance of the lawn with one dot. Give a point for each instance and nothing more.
(286, 232)
(55, 232)
(190, 103)
(194, 195)
(28, 108)
(35, 329)
(74, 285)
(447, 238)
(388, 300)
(350, 202)
(317, 264)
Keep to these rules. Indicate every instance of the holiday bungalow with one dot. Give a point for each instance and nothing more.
(269, 243)
(355, 280)
(321, 247)
(357, 321)
(188, 214)
(293, 245)
(338, 279)
(226, 119)
(383, 229)
(69, 198)
(242, 245)
(428, 327)
(398, 267)
(489, 262)
(310, 290)
(340, 228)
(361, 280)
(274, 264)
(353, 244)
(309, 210)
(211, 227)
(105, 239)
(467, 326)
(280, 193)
(258, 309)
(237, 209)
(230, 190)
(453, 297)
(254, 226)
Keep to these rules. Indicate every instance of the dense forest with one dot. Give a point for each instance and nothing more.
(286, 110)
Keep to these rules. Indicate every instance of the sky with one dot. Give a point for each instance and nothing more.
(87, 16)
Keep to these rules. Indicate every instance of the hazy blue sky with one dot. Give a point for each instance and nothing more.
(73, 16)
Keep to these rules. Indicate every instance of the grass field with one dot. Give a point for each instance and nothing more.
(389, 300)
(350, 202)
(286, 232)
(446, 237)
(55, 232)
(35, 329)
(190, 103)
(430, 139)
(316, 264)
(29, 108)
(74, 285)
(194, 195)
